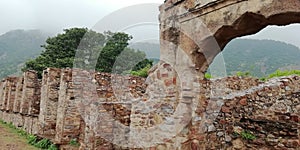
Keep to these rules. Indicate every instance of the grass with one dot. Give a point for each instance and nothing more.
(275, 74)
(31, 139)
(279, 73)
(13, 138)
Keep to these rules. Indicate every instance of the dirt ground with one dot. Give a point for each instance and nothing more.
(9, 140)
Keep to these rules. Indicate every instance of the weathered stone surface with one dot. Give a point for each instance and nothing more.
(202, 28)
(12, 81)
(49, 101)
(30, 104)
(4, 94)
(18, 96)
(68, 115)
(90, 108)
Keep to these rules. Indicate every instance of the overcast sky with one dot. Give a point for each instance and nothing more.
(54, 15)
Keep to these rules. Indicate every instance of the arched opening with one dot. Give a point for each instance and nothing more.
(271, 49)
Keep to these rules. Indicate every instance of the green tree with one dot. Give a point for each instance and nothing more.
(60, 50)
(113, 48)
(130, 59)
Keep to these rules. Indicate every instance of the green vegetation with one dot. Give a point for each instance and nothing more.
(243, 74)
(143, 72)
(208, 76)
(60, 50)
(88, 45)
(18, 46)
(52, 147)
(259, 57)
(246, 57)
(74, 142)
(248, 135)
(275, 74)
(32, 139)
(43, 144)
(279, 73)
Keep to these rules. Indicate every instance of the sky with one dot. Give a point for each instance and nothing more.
(55, 15)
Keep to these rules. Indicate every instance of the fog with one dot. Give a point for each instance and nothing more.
(53, 16)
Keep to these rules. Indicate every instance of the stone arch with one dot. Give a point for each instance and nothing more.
(224, 19)
(251, 23)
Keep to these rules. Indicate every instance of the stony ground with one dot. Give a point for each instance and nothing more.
(10, 140)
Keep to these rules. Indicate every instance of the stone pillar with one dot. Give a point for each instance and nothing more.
(49, 101)
(4, 95)
(30, 104)
(11, 93)
(68, 115)
(2, 87)
(18, 96)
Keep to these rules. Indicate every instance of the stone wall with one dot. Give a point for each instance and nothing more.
(104, 111)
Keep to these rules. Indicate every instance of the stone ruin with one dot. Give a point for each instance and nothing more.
(63, 106)
(174, 108)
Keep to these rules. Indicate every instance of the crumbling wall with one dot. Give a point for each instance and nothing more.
(105, 111)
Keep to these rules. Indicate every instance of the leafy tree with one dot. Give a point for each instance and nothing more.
(60, 50)
(88, 45)
(112, 49)
(130, 59)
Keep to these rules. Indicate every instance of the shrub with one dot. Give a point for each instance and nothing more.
(142, 72)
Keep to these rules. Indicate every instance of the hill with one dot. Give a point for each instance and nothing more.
(16, 47)
(259, 57)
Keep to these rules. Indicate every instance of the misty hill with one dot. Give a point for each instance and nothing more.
(259, 57)
(16, 47)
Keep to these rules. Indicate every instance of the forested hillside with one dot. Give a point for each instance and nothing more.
(259, 57)
(18, 46)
